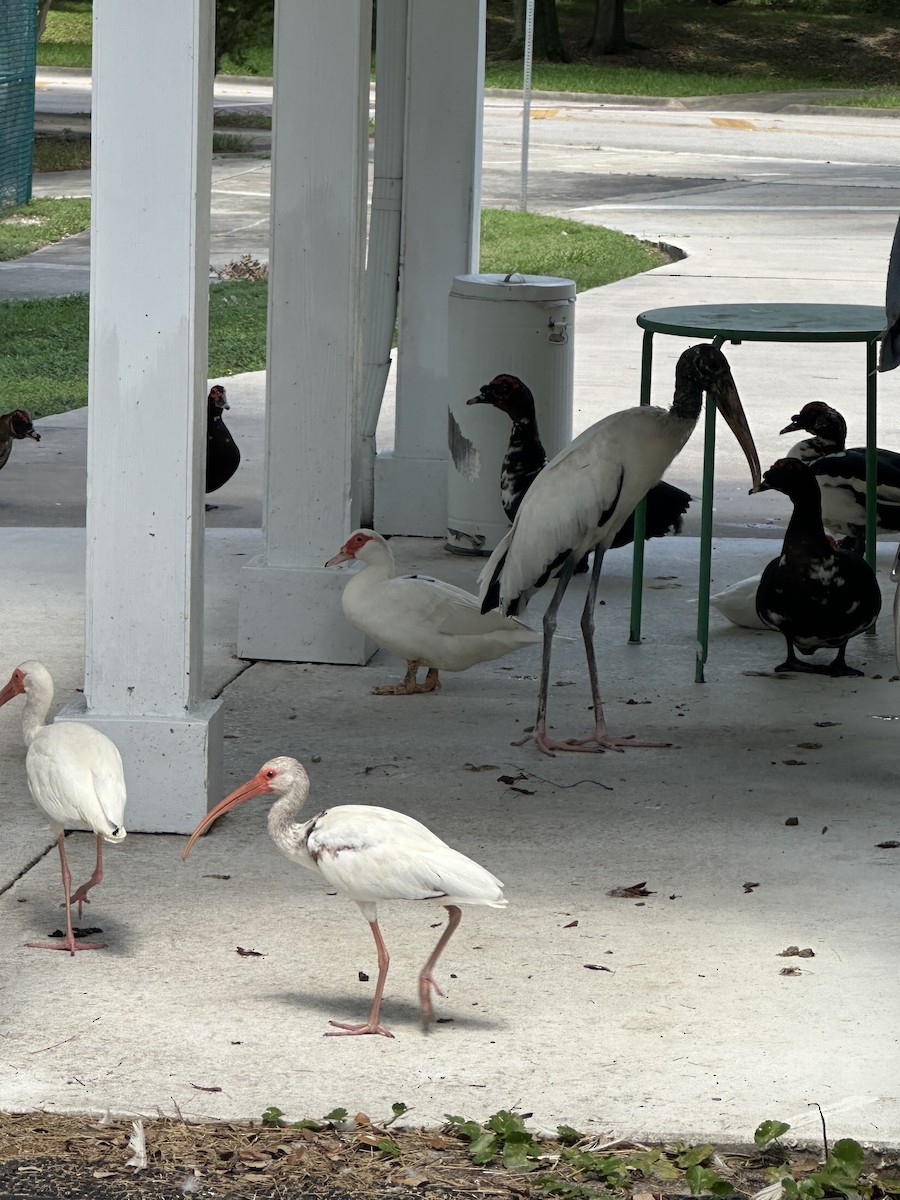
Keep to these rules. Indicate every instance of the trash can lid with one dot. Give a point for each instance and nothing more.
(513, 286)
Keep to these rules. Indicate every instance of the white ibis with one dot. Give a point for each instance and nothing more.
(368, 854)
(425, 621)
(14, 426)
(75, 776)
(223, 457)
(581, 500)
(525, 458)
(841, 473)
(815, 595)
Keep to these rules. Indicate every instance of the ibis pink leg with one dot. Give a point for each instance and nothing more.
(68, 943)
(371, 1026)
(81, 896)
(409, 686)
(426, 978)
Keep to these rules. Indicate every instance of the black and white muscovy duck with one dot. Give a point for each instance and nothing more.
(581, 500)
(828, 427)
(222, 454)
(425, 621)
(815, 595)
(14, 426)
(842, 477)
(525, 457)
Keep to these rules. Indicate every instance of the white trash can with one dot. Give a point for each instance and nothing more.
(502, 324)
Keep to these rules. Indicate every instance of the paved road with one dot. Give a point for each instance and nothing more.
(768, 206)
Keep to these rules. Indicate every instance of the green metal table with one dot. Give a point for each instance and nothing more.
(736, 323)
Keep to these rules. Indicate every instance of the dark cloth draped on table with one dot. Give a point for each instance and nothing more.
(890, 345)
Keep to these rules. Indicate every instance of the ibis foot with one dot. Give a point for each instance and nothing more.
(343, 1029)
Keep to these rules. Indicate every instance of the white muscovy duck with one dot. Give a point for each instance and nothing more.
(425, 621)
(581, 500)
(368, 854)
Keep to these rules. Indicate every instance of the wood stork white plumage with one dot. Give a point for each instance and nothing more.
(582, 498)
(426, 621)
(368, 854)
(75, 776)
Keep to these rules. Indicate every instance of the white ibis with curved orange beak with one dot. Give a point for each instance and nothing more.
(368, 854)
(581, 500)
(75, 776)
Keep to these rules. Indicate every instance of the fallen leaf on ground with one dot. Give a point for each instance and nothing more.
(887, 845)
(571, 925)
(636, 889)
(249, 953)
(790, 971)
(215, 877)
(86, 931)
(748, 887)
(597, 967)
(480, 767)
(809, 745)
(793, 762)
(826, 724)
(792, 821)
(796, 952)
(362, 977)
(198, 1087)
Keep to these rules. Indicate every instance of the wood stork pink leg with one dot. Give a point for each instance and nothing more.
(68, 943)
(426, 978)
(342, 1028)
(80, 897)
(409, 686)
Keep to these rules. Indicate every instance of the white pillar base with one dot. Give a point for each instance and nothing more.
(293, 614)
(173, 765)
(411, 495)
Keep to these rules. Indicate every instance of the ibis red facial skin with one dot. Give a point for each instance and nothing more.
(581, 500)
(425, 621)
(368, 854)
(75, 776)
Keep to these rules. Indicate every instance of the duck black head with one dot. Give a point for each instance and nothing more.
(791, 476)
(216, 400)
(820, 419)
(510, 395)
(21, 426)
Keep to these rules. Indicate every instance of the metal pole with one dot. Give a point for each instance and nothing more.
(526, 102)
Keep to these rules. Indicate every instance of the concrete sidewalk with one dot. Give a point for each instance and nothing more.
(692, 1031)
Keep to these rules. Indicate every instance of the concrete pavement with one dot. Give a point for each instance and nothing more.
(692, 1031)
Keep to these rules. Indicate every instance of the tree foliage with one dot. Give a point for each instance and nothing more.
(242, 25)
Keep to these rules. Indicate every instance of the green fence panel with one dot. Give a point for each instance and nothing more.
(17, 49)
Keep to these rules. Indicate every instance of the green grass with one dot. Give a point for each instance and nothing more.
(242, 120)
(535, 245)
(257, 62)
(56, 152)
(67, 36)
(230, 143)
(39, 223)
(43, 362)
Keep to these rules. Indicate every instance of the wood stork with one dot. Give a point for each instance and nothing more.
(369, 854)
(581, 500)
(427, 622)
(75, 776)
(815, 595)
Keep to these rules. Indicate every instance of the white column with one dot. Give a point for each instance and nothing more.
(290, 605)
(147, 415)
(441, 214)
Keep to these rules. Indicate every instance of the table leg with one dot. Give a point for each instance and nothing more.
(871, 453)
(706, 523)
(640, 513)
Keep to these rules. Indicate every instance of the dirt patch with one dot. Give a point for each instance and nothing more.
(45, 1156)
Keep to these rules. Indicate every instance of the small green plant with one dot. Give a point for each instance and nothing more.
(768, 1131)
(704, 1181)
(230, 143)
(503, 1135)
(273, 1118)
(398, 1109)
